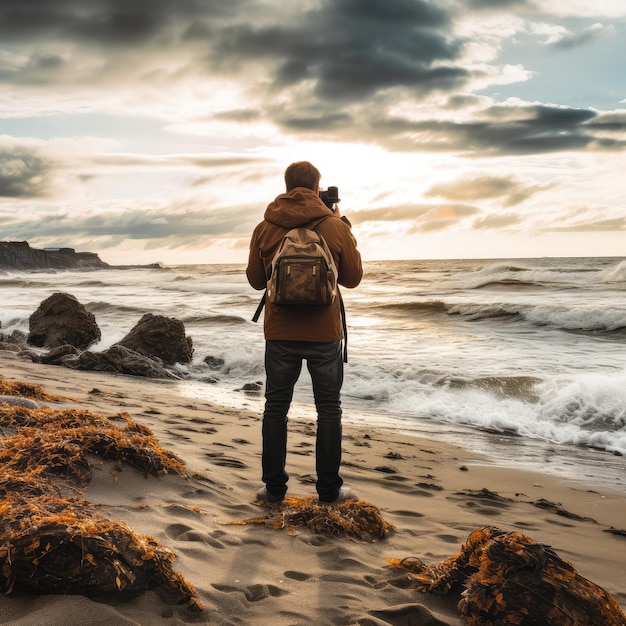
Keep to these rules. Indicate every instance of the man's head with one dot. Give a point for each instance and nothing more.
(302, 174)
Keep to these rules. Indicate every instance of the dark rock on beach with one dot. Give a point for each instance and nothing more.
(14, 338)
(19, 401)
(57, 355)
(18, 255)
(62, 319)
(161, 337)
(120, 360)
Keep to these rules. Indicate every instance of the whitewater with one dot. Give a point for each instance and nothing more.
(523, 360)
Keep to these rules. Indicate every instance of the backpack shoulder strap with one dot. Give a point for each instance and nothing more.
(315, 223)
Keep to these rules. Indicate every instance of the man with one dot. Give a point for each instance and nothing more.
(294, 334)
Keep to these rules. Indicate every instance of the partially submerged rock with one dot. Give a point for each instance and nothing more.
(161, 337)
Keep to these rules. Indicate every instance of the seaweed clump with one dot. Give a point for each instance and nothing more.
(58, 442)
(54, 543)
(356, 519)
(26, 390)
(507, 578)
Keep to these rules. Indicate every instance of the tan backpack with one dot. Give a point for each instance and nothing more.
(303, 273)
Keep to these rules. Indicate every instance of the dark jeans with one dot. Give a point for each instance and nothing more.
(283, 364)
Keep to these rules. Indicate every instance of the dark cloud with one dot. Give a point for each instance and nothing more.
(499, 4)
(353, 49)
(24, 174)
(111, 22)
(331, 72)
(313, 122)
(513, 130)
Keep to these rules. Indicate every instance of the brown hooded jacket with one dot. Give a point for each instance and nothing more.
(299, 207)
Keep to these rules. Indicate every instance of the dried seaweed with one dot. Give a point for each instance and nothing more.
(50, 543)
(26, 390)
(58, 441)
(507, 578)
(355, 519)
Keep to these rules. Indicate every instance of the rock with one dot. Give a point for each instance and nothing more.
(118, 359)
(20, 256)
(62, 319)
(18, 337)
(214, 362)
(160, 336)
(19, 401)
(56, 355)
(14, 338)
(255, 387)
(30, 354)
(10, 347)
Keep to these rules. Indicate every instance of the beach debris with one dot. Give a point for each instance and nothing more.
(557, 507)
(507, 578)
(355, 519)
(54, 543)
(62, 319)
(50, 544)
(59, 442)
(26, 390)
(483, 494)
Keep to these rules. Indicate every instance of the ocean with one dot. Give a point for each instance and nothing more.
(522, 360)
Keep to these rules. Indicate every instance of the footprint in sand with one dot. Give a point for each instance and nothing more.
(253, 593)
(407, 513)
(301, 576)
(176, 531)
(181, 532)
(218, 458)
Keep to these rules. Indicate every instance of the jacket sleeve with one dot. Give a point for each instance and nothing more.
(350, 267)
(255, 271)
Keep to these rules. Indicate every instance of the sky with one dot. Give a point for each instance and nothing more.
(158, 131)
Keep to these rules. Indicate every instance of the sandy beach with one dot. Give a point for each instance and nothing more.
(433, 494)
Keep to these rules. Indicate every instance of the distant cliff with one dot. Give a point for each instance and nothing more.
(18, 255)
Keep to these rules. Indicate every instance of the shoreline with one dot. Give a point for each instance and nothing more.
(595, 467)
(434, 494)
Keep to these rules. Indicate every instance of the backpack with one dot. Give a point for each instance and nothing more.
(303, 273)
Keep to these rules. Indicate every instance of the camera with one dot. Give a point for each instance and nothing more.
(330, 197)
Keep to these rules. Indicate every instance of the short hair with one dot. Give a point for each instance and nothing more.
(302, 174)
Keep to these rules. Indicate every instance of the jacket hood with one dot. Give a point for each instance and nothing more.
(296, 208)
